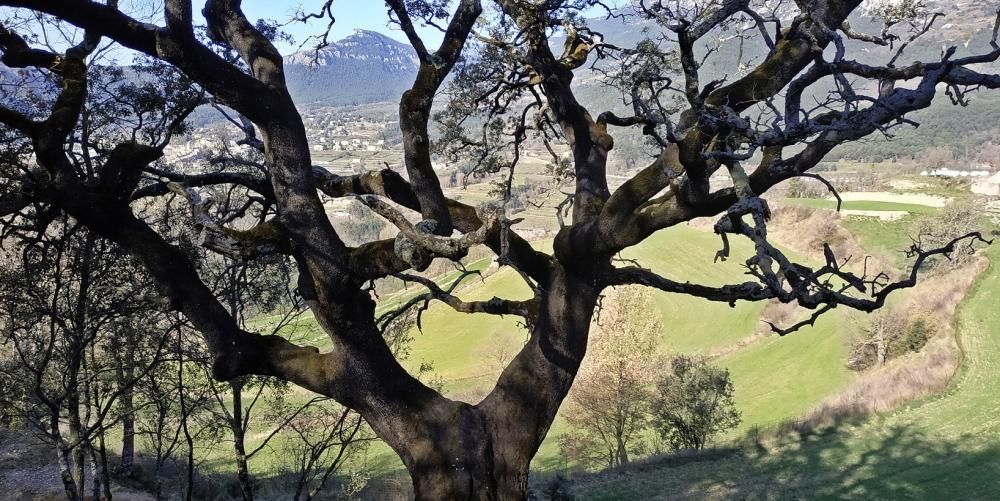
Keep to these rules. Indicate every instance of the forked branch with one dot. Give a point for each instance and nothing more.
(264, 239)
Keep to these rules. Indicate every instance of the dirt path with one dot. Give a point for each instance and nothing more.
(29, 471)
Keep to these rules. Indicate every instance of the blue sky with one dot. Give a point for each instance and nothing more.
(350, 15)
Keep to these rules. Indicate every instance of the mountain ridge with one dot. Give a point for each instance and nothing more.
(369, 66)
(362, 68)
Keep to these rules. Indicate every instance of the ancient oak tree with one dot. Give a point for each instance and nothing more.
(509, 64)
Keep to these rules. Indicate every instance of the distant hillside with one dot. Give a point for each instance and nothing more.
(369, 67)
(967, 24)
(365, 67)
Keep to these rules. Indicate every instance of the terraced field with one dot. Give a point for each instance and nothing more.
(862, 205)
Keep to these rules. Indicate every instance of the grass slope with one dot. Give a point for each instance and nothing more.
(466, 350)
(783, 378)
(775, 379)
(890, 238)
(946, 447)
(462, 347)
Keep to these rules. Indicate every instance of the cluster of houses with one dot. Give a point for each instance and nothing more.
(346, 144)
(946, 172)
(200, 144)
(344, 132)
(984, 182)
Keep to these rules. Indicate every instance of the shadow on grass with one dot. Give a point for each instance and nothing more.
(893, 463)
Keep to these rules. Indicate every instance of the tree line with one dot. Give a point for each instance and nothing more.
(120, 387)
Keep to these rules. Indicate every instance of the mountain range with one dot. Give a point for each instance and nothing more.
(368, 66)
(364, 67)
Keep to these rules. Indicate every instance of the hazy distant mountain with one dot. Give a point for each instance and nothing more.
(967, 24)
(369, 67)
(365, 67)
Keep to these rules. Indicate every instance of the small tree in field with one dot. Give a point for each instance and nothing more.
(887, 334)
(693, 402)
(609, 405)
(883, 332)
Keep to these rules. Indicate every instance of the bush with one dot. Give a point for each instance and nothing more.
(693, 402)
(887, 335)
(917, 335)
(558, 489)
(797, 188)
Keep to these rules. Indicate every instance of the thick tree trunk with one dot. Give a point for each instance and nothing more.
(158, 475)
(189, 466)
(104, 469)
(414, 113)
(77, 455)
(483, 451)
(243, 472)
(125, 374)
(66, 473)
(622, 452)
(127, 461)
(462, 464)
(97, 478)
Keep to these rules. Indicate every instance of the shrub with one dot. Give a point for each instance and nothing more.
(693, 402)
(919, 332)
(797, 188)
(558, 489)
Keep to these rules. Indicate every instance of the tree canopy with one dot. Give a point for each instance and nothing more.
(501, 67)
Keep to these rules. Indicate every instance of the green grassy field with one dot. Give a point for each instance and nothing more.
(868, 205)
(464, 349)
(776, 379)
(888, 237)
(945, 447)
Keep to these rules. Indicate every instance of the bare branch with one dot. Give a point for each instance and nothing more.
(829, 186)
(424, 237)
(494, 306)
(264, 239)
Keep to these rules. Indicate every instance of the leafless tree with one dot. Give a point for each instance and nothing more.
(608, 407)
(66, 293)
(324, 437)
(881, 334)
